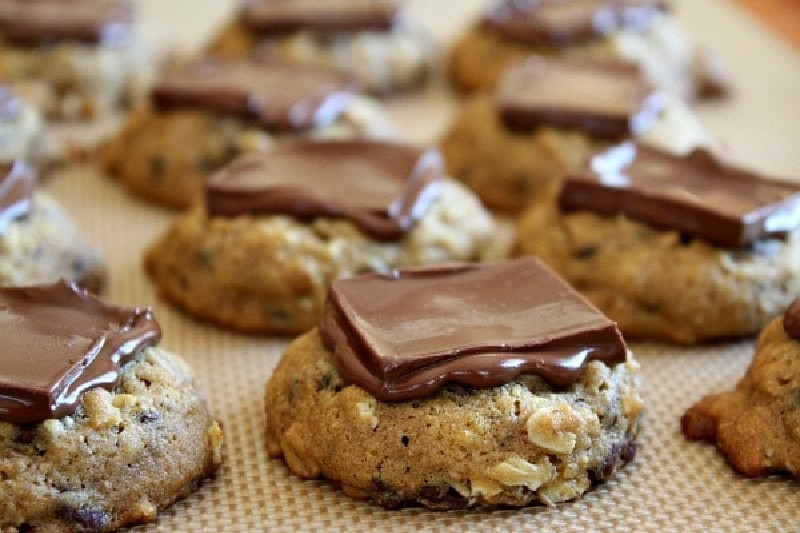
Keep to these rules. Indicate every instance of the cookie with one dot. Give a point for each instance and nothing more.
(641, 32)
(471, 385)
(259, 253)
(79, 64)
(374, 42)
(546, 119)
(39, 243)
(754, 425)
(99, 427)
(681, 249)
(166, 153)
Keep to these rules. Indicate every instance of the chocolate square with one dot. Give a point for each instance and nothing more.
(403, 335)
(280, 96)
(382, 187)
(281, 16)
(697, 195)
(605, 99)
(59, 341)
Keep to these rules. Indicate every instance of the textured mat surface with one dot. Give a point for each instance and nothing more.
(672, 486)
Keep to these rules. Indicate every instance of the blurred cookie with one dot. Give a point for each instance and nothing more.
(39, 243)
(373, 41)
(546, 119)
(638, 31)
(755, 424)
(259, 253)
(207, 112)
(80, 63)
(99, 428)
(675, 248)
(471, 385)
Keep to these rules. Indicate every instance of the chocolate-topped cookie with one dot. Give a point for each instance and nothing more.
(39, 243)
(465, 385)
(548, 116)
(274, 229)
(372, 41)
(99, 428)
(754, 425)
(639, 31)
(75, 60)
(206, 112)
(676, 248)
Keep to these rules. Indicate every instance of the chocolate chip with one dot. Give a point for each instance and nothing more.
(322, 382)
(26, 527)
(405, 440)
(791, 320)
(149, 415)
(88, 517)
(585, 252)
(26, 434)
(621, 453)
(443, 497)
(386, 498)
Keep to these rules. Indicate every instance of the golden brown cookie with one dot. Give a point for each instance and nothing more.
(99, 428)
(481, 427)
(482, 54)
(755, 425)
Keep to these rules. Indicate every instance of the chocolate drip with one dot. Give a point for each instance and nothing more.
(404, 335)
(283, 16)
(696, 195)
(280, 96)
(17, 182)
(560, 23)
(60, 341)
(47, 21)
(609, 99)
(381, 187)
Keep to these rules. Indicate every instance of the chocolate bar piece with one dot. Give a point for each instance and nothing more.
(381, 187)
(282, 16)
(562, 22)
(17, 182)
(696, 194)
(33, 22)
(605, 99)
(59, 341)
(282, 97)
(405, 334)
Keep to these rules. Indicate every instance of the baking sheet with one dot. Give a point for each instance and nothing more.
(671, 486)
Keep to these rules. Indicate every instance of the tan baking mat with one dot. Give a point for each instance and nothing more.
(672, 486)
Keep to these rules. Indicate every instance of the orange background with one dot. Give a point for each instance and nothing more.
(782, 15)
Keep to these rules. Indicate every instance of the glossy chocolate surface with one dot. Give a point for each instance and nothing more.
(279, 96)
(281, 16)
(49, 21)
(561, 22)
(696, 195)
(607, 99)
(381, 187)
(17, 182)
(404, 335)
(59, 341)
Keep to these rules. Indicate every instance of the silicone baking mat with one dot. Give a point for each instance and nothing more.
(672, 486)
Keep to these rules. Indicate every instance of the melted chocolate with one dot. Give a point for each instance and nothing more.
(280, 96)
(696, 195)
(17, 182)
(381, 187)
(47, 21)
(60, 341)
(282, 16)
(607, 99)
(404, 335)
(560, 22)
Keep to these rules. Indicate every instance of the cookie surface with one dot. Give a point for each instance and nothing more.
(657, 286)
(481, 55)
(754, 425)
(271, 273)
(46, 246)
(118, 460)
(505, 446)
